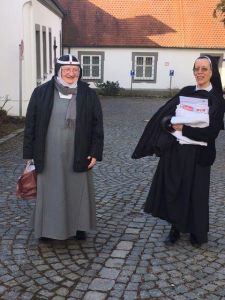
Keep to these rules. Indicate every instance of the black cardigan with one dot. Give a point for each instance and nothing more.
(155, 140)
(89, 135)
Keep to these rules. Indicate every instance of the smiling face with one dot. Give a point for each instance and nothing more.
(70, 74)
(202, 72)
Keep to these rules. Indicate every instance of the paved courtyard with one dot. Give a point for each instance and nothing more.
(126, 257)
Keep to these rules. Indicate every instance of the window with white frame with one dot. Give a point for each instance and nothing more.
(144, 66)
(92, 63)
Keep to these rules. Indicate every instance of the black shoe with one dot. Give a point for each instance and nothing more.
(44, 239)
(173, 236)
(80, 235)
(194, 241)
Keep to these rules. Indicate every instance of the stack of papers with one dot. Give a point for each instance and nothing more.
(192, 112)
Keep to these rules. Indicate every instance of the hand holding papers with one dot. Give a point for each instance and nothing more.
(193, 112)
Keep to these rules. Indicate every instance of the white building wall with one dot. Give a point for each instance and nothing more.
(11, 33)
(21, 27)
(39, 15)
(29, 54)
(118, 64)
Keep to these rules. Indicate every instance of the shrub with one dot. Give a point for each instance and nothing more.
(108, 88)
(3, 112)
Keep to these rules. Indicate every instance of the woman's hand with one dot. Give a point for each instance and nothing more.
(92, 163)
(177, 127)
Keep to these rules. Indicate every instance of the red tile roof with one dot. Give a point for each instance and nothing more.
(142, 23)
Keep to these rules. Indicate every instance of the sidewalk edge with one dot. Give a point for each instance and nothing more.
(11, 135)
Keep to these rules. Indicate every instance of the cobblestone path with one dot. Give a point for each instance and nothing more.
(126, 257)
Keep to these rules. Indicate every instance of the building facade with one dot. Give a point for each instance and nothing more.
(149, 45)
(30, 45)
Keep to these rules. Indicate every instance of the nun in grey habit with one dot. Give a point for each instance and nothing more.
(64, 136)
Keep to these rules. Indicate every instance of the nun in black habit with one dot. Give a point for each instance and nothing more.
(179, 191)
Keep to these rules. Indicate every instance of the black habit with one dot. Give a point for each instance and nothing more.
(180, 188)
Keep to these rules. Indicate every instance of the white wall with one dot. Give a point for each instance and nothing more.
(11, 33)
(118, 63)
(21, 26)
(40, 15)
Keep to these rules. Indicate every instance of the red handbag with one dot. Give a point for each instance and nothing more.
(26, 187)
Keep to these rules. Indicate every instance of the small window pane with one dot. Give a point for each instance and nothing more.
(95, 71)
(140, 60)
(86, 71)
(95, 60)
(148, 71)
(148, 61)
(139, 72)
(86, 60)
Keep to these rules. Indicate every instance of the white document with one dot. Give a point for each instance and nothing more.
(192, 112)
(194, 102)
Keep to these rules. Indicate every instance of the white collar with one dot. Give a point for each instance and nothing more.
(208, 88)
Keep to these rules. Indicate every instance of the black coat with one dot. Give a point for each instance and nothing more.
(155, 140)
(89, 135)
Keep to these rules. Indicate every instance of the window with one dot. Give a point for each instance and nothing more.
(54, 47)
(44, 44)
(144, 66)
(217, 56)
(50, 49)
(38, 54)
(92, 65)
(60, 43)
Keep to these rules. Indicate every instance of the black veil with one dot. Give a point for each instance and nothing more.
(215, 79)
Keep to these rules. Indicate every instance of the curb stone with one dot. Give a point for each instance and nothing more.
(11, 135)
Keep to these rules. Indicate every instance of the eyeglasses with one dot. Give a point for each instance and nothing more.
(70, 70)
(202, 70)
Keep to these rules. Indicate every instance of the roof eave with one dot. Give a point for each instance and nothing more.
(54, 6)
(141, 46)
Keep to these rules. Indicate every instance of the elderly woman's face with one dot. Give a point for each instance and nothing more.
(202, 72)
(70, 74)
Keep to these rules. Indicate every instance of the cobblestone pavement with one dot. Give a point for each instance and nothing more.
(126, 257)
